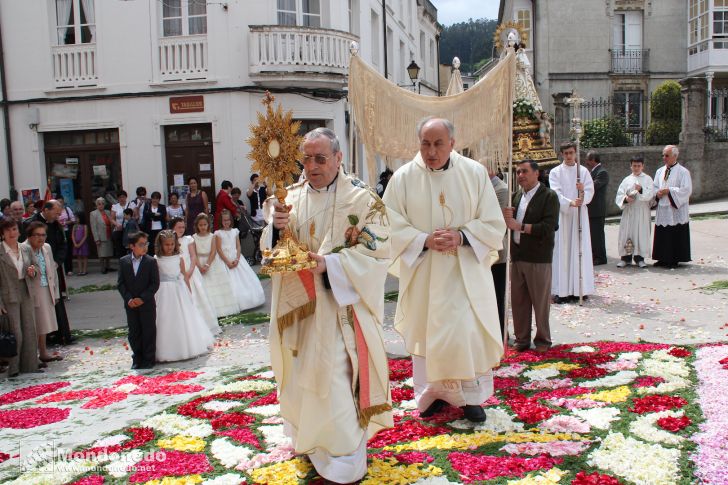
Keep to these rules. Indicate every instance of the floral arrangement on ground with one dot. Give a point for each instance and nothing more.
(603, 413)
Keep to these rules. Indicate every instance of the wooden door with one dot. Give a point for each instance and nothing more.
(189, 153)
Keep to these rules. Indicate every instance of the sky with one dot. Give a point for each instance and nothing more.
(453, 11)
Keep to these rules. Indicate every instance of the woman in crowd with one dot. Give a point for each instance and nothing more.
(154, 218)
(16, 274)
(29, 209)
(196, 203)
(246, 285)
(197, 285)
(101, 229)
(79, 244)
(174, 209)
(122, 203)
(45, 288)
(67, 219)
(216, 275)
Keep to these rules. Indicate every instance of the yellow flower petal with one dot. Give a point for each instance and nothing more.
(476, 440)
(618, 394)
(394, 473)
(284, 473)
(182, 443)
(551, 477)
(561, 366)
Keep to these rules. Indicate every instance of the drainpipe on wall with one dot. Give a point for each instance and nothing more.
(437, 41)
(6, 122)
(533, 36)
(384, 23)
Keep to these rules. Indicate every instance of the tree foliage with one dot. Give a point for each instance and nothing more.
(471, 42)
(605, 132)
(665, 111)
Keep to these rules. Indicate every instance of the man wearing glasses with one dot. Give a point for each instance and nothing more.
(326, 341)
(673, 187)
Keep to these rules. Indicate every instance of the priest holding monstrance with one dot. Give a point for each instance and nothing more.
(447, 227)
(326, 343)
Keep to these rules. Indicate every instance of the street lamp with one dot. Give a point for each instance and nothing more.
(413, 70)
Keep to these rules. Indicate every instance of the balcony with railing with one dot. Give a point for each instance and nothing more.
(74, 65)
(629, 61)
(183, 58)
(316, 57)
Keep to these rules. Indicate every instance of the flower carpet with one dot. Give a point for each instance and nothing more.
(602, 413)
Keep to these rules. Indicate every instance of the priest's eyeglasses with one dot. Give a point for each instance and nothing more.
(318, 158)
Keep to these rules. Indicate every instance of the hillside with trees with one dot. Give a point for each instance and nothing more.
(471, 41)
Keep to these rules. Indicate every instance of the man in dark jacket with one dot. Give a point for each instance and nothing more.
(533, 220)
(597, 207)
(56, 238)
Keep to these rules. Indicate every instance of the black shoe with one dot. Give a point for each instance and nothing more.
(599, 262)
(69, 341)
(135, 366)
(111, 269)
(659, 264)
(558, 300)
(433, 408)
(521, 347)
(145, 366)
(104, 271)
(474, 413)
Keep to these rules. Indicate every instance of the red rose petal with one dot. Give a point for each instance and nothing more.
(593, 479)
(30, 392)
(32, 418)
(170, 463)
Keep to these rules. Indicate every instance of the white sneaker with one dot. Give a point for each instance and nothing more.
(621, 264)
(642, 264)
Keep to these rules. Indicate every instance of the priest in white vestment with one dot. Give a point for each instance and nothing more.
(565, 281)
(447, 228)
(673, 187)
(326, 343)
(634, 198)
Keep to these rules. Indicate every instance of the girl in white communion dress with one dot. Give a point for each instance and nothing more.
(181, 331)
(246, 285)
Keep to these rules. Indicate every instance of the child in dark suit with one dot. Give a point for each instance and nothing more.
(138, 282)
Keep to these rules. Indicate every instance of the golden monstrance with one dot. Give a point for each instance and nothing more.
(275, 144)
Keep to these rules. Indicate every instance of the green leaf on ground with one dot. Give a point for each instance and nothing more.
(91, 289)
(244, 318)
(391, 296)
(716, 286)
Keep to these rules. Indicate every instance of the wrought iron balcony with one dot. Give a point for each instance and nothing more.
(630, 61)
(282, 53)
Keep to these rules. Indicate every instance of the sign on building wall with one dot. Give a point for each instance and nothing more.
(186, 104)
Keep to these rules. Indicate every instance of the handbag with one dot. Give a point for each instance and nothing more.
(8, 342)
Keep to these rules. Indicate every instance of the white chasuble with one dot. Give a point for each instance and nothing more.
(673, 209)
(636, 221)
(447, 311)
(331, 367)
(565, 273)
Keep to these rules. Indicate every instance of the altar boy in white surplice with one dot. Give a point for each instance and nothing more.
(447, 227)
(326, 343)
(634, 197)
(574, 191)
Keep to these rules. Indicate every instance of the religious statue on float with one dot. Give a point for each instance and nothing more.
(531, 123)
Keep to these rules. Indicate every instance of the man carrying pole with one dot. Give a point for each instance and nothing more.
(573, 270)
